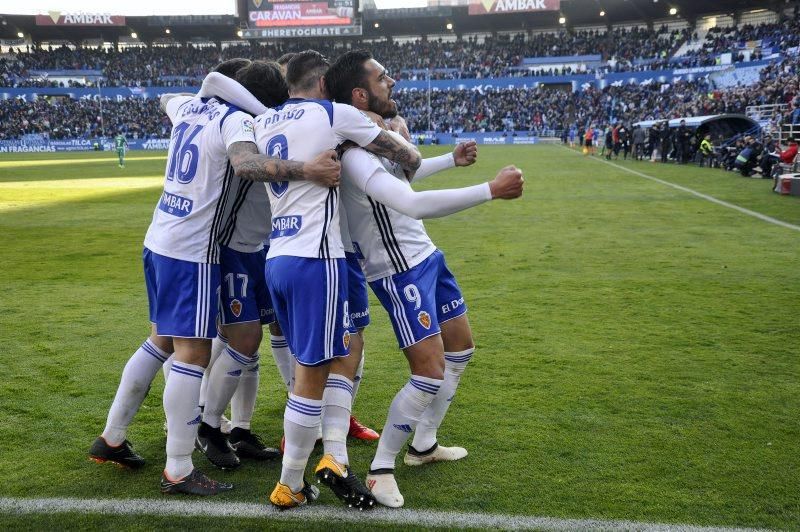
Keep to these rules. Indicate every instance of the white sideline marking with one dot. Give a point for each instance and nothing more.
(706, 197)
(329, 514)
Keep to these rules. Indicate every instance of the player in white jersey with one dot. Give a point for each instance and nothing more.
(358, 303)
(210, 141)
(408, 273)
(306, 272)
(233, 372)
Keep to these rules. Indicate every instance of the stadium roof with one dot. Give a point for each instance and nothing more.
(424, 21)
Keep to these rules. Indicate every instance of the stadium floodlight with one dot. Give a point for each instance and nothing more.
(377, 25)
(239, 33)
(167, 31)
(562, 20)
(449, 26)
(602, 13)
(673, 11)
(20, 35)
(134, 35)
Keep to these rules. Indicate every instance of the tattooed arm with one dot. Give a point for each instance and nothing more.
(249, 164)
(397, 149)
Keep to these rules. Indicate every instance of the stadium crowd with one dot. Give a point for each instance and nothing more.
(625, 49)
(457, 111)
(65, 118)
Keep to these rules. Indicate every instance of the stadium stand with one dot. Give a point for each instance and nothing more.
(557, 58)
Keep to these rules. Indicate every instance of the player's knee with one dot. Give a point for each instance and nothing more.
(432, 368)
(162, 342)
(246, 344)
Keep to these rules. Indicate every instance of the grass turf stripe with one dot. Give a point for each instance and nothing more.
(425, 518)
(700, 195)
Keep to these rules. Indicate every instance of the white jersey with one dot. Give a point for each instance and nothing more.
(344, 228)
(389, 241)
(305, 216)
(248, 222)
(191, 212)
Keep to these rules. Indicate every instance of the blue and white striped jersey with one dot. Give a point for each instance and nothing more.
(305, 216)
(389, 241)
(192, 210)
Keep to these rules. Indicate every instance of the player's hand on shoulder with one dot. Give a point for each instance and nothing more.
(375, 117)
(324, 170)
(466, 153)
(507, 184)
(398, 125)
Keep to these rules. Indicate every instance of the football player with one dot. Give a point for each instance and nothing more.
(307, 276)
(408, 273)
(211, 141)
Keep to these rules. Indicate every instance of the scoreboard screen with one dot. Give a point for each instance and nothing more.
(299, 18)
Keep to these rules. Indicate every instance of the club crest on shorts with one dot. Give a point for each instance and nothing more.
(236, 307)
(424, 319)
(346, 340)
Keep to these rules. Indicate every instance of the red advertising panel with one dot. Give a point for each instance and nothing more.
(278, 14)
(488, 7)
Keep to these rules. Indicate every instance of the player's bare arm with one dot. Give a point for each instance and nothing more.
(324, 170)
(397, 150)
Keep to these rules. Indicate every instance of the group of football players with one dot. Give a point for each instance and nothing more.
(225, 255)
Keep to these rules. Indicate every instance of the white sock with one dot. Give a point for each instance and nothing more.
(168, 366)
(243, 403)
(137, 376)
(337, 403)
(405, 412)
(217, 345)
(454, 365)
(181, 395)
(223, 379)
(283, 358)
(301, 421)
(357, 378)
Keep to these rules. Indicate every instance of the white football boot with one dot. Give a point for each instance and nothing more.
(438, 454)
(384, 489)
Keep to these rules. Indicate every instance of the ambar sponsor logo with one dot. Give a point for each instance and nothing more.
(57, 18)
(484, 7)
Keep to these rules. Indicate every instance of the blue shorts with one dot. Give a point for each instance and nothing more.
(244, 295)
(419, 299)
(183, 296)
(357, 297)
(310, 300)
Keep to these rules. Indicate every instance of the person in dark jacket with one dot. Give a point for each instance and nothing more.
(683, 137)
(665, 137)
(638, 142)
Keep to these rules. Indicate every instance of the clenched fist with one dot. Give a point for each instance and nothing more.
(508, 183)
(466, 153)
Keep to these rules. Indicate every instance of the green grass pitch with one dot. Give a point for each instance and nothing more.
(638, 347)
